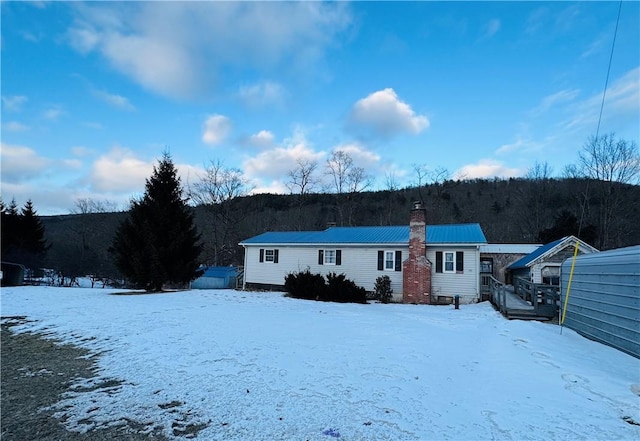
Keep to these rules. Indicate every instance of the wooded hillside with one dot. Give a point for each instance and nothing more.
(509, 211)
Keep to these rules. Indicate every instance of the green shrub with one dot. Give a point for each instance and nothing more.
(340, 289)
(382, 289)
(304, 285)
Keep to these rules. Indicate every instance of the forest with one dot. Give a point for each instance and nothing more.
(597, 200)
(509, 211)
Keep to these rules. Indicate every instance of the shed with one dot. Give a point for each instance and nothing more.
(216, 277)
(543, 264)
(12, 274)
(604, 300)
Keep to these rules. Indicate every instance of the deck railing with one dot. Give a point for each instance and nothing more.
(545, 299)
(498, 294)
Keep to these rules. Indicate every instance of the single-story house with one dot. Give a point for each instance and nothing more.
(543, 264)
(426, 263)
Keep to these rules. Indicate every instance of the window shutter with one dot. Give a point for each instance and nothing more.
(398, 260)
(261, 254)
(438, 261)
(275, 256)
(338, 257)
(320, 257)
(459, 261)
(380, 260)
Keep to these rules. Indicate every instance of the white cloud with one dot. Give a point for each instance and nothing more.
(385, 115)
(216, 129)
(621, 106)
(178, 48)
(20, 163)
(94, 125)
(14, 126)
(262, 94)
(275, 163)
(486, 168)
(53, 113)
(361, 156)
(492, 27)
(81, 151)
(520, 145)
(262, 139)
(561, 97)
(119, 171)
(115, 100)
(13, 103)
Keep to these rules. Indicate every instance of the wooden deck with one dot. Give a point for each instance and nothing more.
(525, 300)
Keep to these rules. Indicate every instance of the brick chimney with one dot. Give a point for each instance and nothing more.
(416, 270)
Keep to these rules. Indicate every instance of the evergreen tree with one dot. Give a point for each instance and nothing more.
(32, 243)
(23, 235)
(158, 243)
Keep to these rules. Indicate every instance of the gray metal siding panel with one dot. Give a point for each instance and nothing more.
(604, 301)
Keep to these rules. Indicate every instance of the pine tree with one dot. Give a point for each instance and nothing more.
(9, 230)
(158, 243)
(23, 235)
(31, 242)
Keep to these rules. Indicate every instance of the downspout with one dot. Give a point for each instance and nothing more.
(244, 277)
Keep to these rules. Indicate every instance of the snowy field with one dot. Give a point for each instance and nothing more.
(259, 366)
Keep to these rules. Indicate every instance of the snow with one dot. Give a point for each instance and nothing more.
(262, 366)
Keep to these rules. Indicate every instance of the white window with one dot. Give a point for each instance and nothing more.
(389, 261)
(268, 255)
(329, 257)
(449, 262)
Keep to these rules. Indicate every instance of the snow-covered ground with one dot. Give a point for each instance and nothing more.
(259, 366)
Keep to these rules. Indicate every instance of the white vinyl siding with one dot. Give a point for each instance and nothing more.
(466, 284)
(360, 264)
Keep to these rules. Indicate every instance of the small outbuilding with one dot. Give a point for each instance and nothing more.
(12, 274)
(216, 277)
(604, 299)
(543, 264)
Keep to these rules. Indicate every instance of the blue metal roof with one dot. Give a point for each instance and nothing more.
(399, 234)
(526, 260)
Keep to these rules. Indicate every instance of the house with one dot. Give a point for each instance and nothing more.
(426, 263)
(543, 264)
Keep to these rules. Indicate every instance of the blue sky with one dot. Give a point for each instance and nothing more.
(93, 93)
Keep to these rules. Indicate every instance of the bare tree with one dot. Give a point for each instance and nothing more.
(535, 213)
(610, 162)
(88, 205)
(218, 184)
(215, 190)
(302, 181)
(347, 180)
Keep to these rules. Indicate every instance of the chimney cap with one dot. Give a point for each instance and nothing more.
(417, 205)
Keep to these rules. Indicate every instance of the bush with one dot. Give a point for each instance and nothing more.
(340, 289)
(383, 290)
(304, 285)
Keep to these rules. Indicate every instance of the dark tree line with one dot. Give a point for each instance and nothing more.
(23, 236)
(597, 199)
